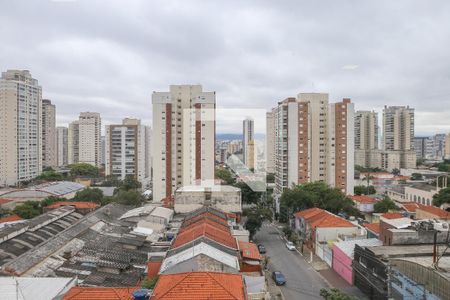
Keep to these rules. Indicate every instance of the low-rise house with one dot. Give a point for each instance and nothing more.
(373, 230)
(396, 223)
(222, 197)
(343, 256)
(10, 220)
(250, 257)
(410, 208)
(160, 215)
(420, 193)
(201, 286)
(431, 212)
(318, 228)
(364, 204)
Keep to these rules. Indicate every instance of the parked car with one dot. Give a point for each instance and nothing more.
(279, 278)
(290, 246)
(261, 249)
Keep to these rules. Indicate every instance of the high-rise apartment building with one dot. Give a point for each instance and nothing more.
(126, 150)
(270, 142)
(438, 145)
(20, 127)
(447, 146)
(248, 136)
(73, 142)
(183, 138)
(366, 136)
(61, 146)
(314, 141)
(84, 139)
(49, 154)
(424, 147)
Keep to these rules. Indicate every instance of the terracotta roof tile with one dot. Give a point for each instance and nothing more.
(392, 215)
(440, 213)
(200, 286)
(11, 218)
(308, 212)
(374, 227)
(4, 200)
(249, 250)
(317, 217)
(411, 206)
(100, 293)
(212, 232)
(79, 205)
(363, 199)
(208, 219)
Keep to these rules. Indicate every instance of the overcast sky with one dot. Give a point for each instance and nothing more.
(108, 56)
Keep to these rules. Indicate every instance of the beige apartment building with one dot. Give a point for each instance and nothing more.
(447, 146)
(270, 142)
(61, 146)
(366, 136)
(183, 138)
(126, 150)
(248, 137)
(20, 127)
(84, 139)
(314, 141)
(49, 154)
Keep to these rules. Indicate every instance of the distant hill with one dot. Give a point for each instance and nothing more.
(235, 136)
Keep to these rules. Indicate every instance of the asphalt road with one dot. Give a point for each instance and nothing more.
(302, 281)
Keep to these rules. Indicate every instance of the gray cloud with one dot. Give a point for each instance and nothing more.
(108, 56)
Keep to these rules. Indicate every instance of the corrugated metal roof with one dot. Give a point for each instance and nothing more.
(33, 288)
(348, 247)
(162, 212)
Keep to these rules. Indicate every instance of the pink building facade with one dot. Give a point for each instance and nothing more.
(342, 264)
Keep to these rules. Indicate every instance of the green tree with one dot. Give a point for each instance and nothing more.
(442, 197)
(50, 200)
(111, 180)
(315, 194)
(225, 175)
(335, 294)
(416, 176)
(89, 195)
(255, 218)
(128, 197)
(50, 176)
(28, 210)
(384, 205)
(129, 183)
(249, 196)
(83, 169)
(270, 178)
(363, 190)
(396, 172)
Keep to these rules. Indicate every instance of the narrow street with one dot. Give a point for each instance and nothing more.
(302, 281)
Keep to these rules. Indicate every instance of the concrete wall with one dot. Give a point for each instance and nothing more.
(342, 264)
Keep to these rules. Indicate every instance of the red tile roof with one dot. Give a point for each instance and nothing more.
(199, 286)
(207, 230)
(320, 218)
(392, 215)
(249, 251)
(440, 213)
(153, 268)
(374, 227)
(79, 205)
(363, 199)
(100, 293)
(202, 219)
(411, 206)
(11, 218)
(4, 200)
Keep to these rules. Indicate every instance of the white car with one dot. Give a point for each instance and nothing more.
(290, 246)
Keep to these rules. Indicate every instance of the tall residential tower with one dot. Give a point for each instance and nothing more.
(49, 158)
(84, 139)
(183, 138)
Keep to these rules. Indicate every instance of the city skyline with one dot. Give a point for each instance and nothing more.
(114, 68)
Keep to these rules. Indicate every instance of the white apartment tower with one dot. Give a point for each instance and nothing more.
(61, 146)
(183, 138)
(84, 139)
(126, 150)
(248, 136)
(398, 137)
(270, 142)
(314, 141)
(20, 127)
(366, 136)
(49, 154)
